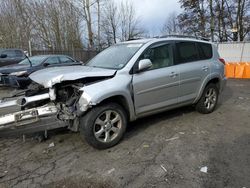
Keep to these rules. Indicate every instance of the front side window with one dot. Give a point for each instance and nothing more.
(187, 52)
(115, 57)
(160, 56)
(65, 59)
(52, 60)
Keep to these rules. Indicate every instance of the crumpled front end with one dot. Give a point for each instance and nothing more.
(66, 100)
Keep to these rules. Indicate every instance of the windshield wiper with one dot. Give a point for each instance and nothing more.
(28, 59)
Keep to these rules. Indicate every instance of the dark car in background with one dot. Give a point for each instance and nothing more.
(12, 56)
(18, 75)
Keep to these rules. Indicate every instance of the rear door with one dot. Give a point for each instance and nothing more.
(157, 87)
(194, 65)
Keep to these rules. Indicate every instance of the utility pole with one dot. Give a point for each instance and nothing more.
(212, 20)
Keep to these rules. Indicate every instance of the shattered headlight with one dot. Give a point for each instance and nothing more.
(84, 102)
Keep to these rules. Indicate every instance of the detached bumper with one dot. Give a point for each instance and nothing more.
(21, 118)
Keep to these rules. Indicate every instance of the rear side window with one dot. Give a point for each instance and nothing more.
(187, 52)
(205, 50)
(19, 53)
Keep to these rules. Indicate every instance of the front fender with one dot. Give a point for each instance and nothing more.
(120, 85)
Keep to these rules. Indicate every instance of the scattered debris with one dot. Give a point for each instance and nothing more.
(111, 170)
(163, 168)
(3, 174)
(24, 138)
(204, 169)
(174, 138)
(145, 145)
(51, 145)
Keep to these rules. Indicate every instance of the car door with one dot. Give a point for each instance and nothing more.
(193, 69)
(156, 88)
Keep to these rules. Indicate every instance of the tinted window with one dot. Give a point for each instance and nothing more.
(205, 50)
(187, 52)
(52, 60)
(19, 53)
(160, 56)
(9, 53)
(64, 59)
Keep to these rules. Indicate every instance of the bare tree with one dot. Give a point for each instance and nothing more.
(110, 22)
(130, 27)
(171, 25)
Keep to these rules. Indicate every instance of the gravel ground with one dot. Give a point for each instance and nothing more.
(164, 150)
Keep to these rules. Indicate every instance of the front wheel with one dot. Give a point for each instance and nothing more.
(104, 126)
(208, 100)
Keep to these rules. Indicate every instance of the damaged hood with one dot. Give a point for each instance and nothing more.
(51, 76)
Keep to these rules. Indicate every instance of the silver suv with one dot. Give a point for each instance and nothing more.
(125, 82)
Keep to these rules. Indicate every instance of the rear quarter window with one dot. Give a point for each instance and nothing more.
(205, 50)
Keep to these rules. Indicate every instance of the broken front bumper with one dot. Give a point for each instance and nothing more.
(25, 117)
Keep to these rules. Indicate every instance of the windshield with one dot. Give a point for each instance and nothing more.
(36, 60)
(115, 57)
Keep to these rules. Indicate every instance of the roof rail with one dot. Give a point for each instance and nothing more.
(184, 36)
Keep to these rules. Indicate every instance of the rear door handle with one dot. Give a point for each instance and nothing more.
(173, 74)
(205, 68)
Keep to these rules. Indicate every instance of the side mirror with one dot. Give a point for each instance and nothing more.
(144, 65)
(46, 64)
(3, 56)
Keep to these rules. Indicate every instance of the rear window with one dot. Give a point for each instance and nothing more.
(187, 52)
(205, 51)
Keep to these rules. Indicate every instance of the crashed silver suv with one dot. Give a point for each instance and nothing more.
(125, 82)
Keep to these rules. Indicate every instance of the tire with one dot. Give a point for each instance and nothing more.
(208, 100)
(104, 126)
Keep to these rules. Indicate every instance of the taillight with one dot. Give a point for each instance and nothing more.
(222, 60)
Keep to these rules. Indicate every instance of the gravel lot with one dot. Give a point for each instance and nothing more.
(164, 150)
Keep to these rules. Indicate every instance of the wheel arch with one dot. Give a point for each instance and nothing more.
(123, 102)
(215, 79)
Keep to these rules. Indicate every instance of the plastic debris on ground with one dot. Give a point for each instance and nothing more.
(204, 169)
(170, 139)
(51, 145)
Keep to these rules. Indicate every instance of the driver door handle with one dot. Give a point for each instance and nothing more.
(173, 74)
(205, 68)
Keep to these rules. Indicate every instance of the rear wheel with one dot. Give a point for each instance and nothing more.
(104, 126)
(208, 100)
